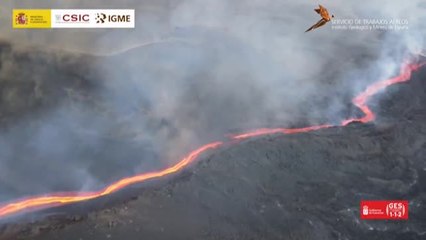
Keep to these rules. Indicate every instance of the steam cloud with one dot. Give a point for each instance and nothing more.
(189, 73)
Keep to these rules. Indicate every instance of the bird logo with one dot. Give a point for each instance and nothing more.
(325, 18)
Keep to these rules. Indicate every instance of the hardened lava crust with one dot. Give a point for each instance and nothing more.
(303, 186)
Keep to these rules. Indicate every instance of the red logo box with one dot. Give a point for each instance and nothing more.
(385, 210)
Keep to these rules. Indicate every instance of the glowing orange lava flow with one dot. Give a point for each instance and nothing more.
(360, 101)
(58, 199)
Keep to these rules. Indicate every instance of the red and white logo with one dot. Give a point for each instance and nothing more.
(388, 209)
(79, 18)
(93, 18)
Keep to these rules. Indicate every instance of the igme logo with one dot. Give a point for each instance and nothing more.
(113, 18)
(73, 18)
(100, 17)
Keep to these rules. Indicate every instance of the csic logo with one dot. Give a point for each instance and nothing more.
(73, 18)
(21, 19)
(92, 18)
(113, 18)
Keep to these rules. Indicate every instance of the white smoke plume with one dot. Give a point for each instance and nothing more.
(112, 103)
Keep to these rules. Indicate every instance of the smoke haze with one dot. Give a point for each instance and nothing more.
(81, 108)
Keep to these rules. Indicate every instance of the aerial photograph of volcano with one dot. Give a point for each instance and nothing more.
(212, 119)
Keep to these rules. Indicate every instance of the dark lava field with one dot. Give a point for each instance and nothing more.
(304, 186)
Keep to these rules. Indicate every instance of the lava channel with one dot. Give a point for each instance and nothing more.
(58, 199)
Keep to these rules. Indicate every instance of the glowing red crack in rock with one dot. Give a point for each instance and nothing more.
(58, 199)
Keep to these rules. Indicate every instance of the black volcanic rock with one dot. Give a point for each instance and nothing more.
(303, 186)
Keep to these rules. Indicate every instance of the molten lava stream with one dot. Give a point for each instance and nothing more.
(360, 101)
(59, 199)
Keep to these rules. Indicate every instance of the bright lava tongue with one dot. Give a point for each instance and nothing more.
(58, 199)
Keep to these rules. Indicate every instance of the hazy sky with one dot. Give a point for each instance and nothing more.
(193, 70)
